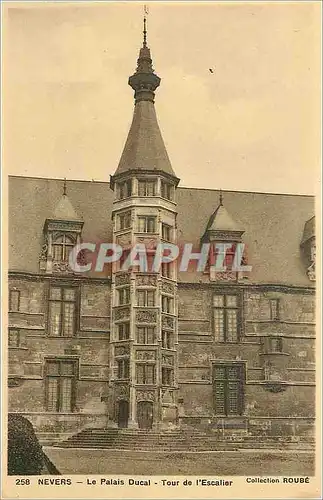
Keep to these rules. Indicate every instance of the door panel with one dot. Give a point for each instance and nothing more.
(123, 413)
(145, 414)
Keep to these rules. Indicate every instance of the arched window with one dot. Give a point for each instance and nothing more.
(62, 247)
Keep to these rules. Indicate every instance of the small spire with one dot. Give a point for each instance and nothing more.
(64, 187)
(221, 198)
(145, 33)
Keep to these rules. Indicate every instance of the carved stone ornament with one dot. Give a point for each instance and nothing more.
(15, 381)
(124, 240)
(146, 316)
(223, 276)
(146, 355)
(121, 313)
(61, 267)
(167, 322)
(122, 279)
(121, 350)
(145, 396)
(167, 396)
(275, 386)
(150, 243)
(146, 280)
(311, 269)
(121, 392)
(167, 360)
(168, 288)
(44, 250)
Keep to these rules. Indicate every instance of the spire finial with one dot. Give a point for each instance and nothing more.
(221, 198)
(145, 26)
(64, 187)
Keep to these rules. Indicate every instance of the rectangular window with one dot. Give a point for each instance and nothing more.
(228, 384)
(146, 188)
(166, 190)
(167, 376)
(275, 344)
(166, 269)
(167, 340)
(62, 247)
(145, 373)
(123, 331)
(226, 317)
(167, 304)
(124, 296)
(124, 189)
(123, 368)
(146, 224)
(14, 338)
(145, 335)
(274, 309)
(60, 385)
(166, 232)
(14, 300)
(124, 220)
(62, 311)
(145, 298)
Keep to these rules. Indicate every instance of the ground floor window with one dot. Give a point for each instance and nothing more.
(60, 385)
(228, 384)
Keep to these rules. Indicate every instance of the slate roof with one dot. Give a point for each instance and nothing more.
(65, 210)
(273, 224)
(221, 220)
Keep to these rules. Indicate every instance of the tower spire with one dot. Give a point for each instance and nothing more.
(64, 187)
(145, 32)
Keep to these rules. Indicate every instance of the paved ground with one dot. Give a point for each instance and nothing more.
(78, 461)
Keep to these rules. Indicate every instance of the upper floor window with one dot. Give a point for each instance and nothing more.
(167, 340)
(166, 269)
(226, 318)
(146, 373)
(167, 304)
(146, 188)
(146, 224)
(145, 298)
(145, 335)
(124, 220)
(272, 344)
(123, 331)
(62, 246)
(60, 385)
(14, 300)
(167, 190)
(166, 232)
(228, 382)
(274, 309)
(123, 368)
(124, 189)
(124, 296)
(62, 311)
(14, 338)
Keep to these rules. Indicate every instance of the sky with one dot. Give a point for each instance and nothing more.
(253, 124)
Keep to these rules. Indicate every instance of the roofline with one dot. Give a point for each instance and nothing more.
(179, 187)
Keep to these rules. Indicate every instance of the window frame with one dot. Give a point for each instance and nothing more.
(170, 304)
(60, 377)
(147, 184)
(147, 295)
(226, 308)
(168, 229)
(63, 301)
(13, 291)
(124, 189)
(146, 367)
(274, 311)
(168, 266)
(124, 331)
(167, 381)
(124, 219)
(241, 380)
(146, 334)
(167, 190)
(63, 245)
(124, 296)
(123, 369)
(169, 344)
(147, 219)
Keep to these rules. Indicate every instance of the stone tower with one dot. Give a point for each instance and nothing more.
(143, 339)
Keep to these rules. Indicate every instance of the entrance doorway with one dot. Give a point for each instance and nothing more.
(145, 414)
(123, 413)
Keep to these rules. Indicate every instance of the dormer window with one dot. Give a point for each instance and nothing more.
(146, 188)
(124, 189)
(167, 190)
(62, 246)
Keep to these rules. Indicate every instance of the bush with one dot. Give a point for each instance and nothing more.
(25, 455)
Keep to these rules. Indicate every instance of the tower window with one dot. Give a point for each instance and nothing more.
(226, 316)
(124, 220)
(167, 340)
(146, 188)
(166, 270)
(145, 298)
(275, 344)
(62, 247)
(167, 376)
(124, 296)
(124, 189)
(274, 309)
(14, 300)
(146, 224)
(146, 373)
(167, 304)
(123, 368)
(228, 385)
(167, 190)
(123, 331)
(60, 385)
(62, 311)
(145, 335)
(166, 232)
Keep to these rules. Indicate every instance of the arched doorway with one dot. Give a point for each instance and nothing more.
(123, 413)
(145, 414)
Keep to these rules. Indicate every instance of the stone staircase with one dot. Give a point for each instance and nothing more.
(178, 440)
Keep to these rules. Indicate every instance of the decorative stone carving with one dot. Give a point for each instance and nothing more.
(150, 243)
(167, 322)
(146, 316)
(124, 240)
(61, 267)
(167, 396)
(64, 226)
(311, 269)
(167, 288)
(121, 350)
(44, 250)
(121, 392)
(146, 355)
(223, 276)
(145, 396)
(121, 313)
(122, 279)
(146, 280)
(167, 360)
